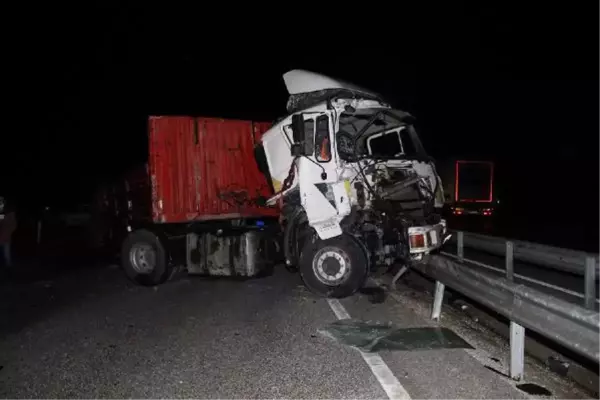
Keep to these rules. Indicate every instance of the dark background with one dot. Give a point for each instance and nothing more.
(512, 84)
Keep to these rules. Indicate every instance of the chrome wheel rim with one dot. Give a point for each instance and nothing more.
(331, 266)
(142, 258)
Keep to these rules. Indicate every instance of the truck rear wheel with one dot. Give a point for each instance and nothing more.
(335, 267)
(144, 259)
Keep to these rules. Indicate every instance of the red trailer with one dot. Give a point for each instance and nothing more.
(199, 202)
(474, 188)
(204, 169)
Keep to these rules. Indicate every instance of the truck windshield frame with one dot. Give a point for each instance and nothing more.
(386, 144)
(353, 136)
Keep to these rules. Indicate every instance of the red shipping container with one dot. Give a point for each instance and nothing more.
(204, 168)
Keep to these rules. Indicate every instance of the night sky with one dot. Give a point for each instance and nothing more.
(514, 85)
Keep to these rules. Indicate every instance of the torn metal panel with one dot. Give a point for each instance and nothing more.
(372, 336)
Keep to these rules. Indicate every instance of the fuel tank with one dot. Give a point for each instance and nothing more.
(245, 255)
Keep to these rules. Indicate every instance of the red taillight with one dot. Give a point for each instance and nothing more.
(457, 212)
(417, 241)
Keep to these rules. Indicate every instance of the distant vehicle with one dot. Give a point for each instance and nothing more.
(473, 188)
(342, 185)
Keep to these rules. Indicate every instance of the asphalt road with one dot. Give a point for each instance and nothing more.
(93, 334)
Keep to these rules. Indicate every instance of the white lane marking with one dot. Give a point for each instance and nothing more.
(338, 309)
(386, 378)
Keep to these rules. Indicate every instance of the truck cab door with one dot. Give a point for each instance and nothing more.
(324, 199)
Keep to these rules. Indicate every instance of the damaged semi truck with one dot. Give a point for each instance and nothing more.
(349, 178)
(357, 189)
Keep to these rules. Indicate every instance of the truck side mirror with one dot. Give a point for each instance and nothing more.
(298, 128)
(299, 135)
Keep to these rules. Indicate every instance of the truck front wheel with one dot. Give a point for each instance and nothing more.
(144, 258)
(335, 267)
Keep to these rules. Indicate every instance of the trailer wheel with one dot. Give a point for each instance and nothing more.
(144, 258)
(335, 267)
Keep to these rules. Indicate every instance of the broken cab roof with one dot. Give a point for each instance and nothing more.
(301, 81)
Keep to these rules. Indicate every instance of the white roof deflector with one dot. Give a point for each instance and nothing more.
(300, 81)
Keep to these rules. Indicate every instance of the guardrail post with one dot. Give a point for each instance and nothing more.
(399, 275)
(509, 260)
(590, 283)
(437, 300)
(517, 351)
(460, 245)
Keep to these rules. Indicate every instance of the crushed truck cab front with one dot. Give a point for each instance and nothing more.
(357, 187)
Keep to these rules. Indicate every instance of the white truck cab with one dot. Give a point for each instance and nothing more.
(357, 189)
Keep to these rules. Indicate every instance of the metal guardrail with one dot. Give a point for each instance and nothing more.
(573, 326)
(561, 259)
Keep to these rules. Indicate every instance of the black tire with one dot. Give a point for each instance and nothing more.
(155, 272)
(355, 261)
